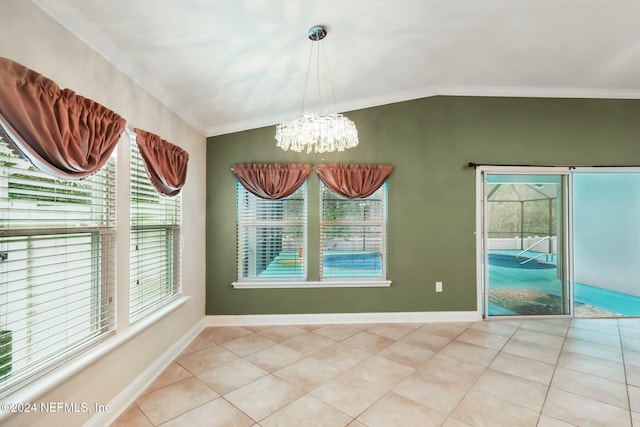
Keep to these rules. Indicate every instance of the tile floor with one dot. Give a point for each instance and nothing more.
(543, 372)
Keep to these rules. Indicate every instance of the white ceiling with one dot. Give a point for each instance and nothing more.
(231, 65)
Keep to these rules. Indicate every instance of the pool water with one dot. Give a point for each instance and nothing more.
(335, 264)
(507, 275)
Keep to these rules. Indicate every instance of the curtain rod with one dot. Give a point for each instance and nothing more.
(476, 165)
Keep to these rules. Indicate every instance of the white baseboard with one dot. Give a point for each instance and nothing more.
(322, 318)
(127, 396)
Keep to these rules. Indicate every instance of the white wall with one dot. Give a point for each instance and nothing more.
(32, 38)
(607, 230)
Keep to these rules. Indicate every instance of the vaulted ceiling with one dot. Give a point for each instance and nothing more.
(231, 65)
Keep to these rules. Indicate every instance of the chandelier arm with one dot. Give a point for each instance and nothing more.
(330, 92)
(306, 81)
(312, 132)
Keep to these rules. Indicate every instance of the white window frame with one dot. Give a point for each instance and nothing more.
(45, 221)
(335, 282)
(246, 203)
(380, 222)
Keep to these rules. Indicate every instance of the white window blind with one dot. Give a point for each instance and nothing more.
(271, 235)
(57, 266)
(353, 235)
(155, 252)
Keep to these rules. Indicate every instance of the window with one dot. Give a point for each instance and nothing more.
(57, 266)
(353, 235)
(155, 242)
(271, 235)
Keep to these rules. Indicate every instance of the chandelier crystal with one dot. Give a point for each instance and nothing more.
(320, 134)
(316, 132)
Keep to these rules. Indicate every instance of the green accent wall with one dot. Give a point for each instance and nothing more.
(431, 233)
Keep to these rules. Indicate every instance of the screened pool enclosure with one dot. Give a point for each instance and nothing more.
(545, 237)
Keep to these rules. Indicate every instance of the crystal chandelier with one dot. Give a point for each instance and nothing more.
(316, 132)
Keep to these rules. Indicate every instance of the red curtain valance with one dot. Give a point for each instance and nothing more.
(62, 134)
(271, 181)
(353, 181)
(165, 162)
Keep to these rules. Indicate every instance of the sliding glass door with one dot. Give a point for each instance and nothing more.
(606, 223)
(524, 243)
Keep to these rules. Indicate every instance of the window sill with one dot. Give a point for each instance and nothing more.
(32, 391)
(372, 283)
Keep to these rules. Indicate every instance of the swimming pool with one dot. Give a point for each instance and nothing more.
(520, 262)
(334, 264)
(511, 285)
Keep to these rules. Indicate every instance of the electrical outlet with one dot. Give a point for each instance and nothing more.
(438, 286)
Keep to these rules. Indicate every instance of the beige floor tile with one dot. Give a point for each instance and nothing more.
(613, 354)
(308, 412)
(368, 342)
(263, 396)
(600, 325)
(396, 411)
(582, 411)
(549, 326)
(341, 356)
(630, 322)
(453, 370)
(176, 399)
(470, 353)
(275, 357)
(282, 332)
(232, 375)
(635, 418)
(540, 338)
(257, 328)
(132, 417)
(633, 375)
(556, 372)
(597, 337)
(217, 413)
(630, 332)
(381, 371)
(172, 374)
(547, 421)
(634, 398)
(452, 422)
(431, 391)
(523, 367)
(207, 359)
(632, 358)
(199, 343)
(394, 331)
(449, 330)
(593, 387)
(499, 326)
(349, 393)
(248, 344)
(308, 343)
(221, 335)
(308, 373)
(407, 354)
(480, 410)
(533, 351)
(423, 338)
(632, 344)
(592, 365)
(511, 388)
(483, 339)
(336, 332)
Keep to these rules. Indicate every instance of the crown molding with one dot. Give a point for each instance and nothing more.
(76, 23)
(427, 92)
